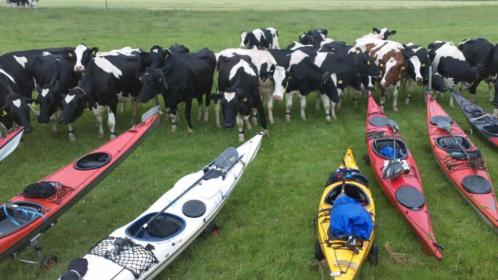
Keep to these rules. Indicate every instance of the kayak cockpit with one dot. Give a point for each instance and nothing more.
(384, 148)
(93, 161)
(163, 227)
(15, 216)
(491, 129)
(350, 190)
(448, 144)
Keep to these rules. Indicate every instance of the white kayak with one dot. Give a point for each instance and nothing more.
(10, 142)
(144, 247)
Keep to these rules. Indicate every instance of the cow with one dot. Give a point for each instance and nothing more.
(450, 62)
(389, 57)
(104, 78)
(261, 38)
(383, 33)
(349, 68)
(238, 95)
(183, 78)
(313, 37)
(23, 3)
(481, 51)
(83, 55)
(13, 105)
(54, 76)
(272, 76)
(417, 65)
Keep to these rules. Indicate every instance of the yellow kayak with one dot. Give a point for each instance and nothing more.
(345, 254)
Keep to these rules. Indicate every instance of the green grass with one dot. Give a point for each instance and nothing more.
(266, 226)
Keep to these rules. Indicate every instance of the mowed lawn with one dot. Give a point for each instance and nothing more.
(266, 227)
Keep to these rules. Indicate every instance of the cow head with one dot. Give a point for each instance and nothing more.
(280, 81)
(179, 49)
(439, 83)
(83, 56)
(247, 40)
(414, 65)
(74, 104)
(313, 37)
(366, 64)
(328, 86)
(156, 57)
(19, 111)
(392, 70)
(49, 99)
(153, 81)
(233, 103)
(383, 33)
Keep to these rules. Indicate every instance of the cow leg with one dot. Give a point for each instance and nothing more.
(409, 92)
(270, 110)
(382, 98)
(248, 123)
(174, 119)
(135, 110)
(288, 106)
(303, 106)
(326, 106)
(111, 120)
(199, 108)
(495, 100)
(395, 97)
(37, 113)
(53, 120)
(98, 115)
(490, 91)
(207, 101)
(240, 127)
(317, 104)
(188, 113)
(254, 117)
(70, 133)
(217, 109)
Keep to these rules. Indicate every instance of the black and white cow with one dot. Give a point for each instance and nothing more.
(105, 76)
(450, 62)
(382, 33)
(313, 37)
(480, 51)
(238, 95)
(272, 75)
(350, 68)
(417, 65)
(54, 76)
(183, 78)
(83, 55)
(23, 3)
(261, 38)
(13, 105)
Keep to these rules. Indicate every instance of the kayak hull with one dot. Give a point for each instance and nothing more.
(74, 184)
(342, 261)
(417, 216)
(212, 193)
(10, 142)
(458, 169)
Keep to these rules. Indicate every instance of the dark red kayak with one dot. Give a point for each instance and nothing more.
(404, 188)
(37, 208)
(10, 142)
(481, 121)
(461, 161)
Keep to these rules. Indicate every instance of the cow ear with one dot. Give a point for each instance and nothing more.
(376, 30)
(290, 75)
(392, 32)
(70, 54)
(325, 78)
(325, 32)
(167, 54)
(94, 51)
(358, 51)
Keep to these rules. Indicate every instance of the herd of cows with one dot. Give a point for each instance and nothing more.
(71, 80)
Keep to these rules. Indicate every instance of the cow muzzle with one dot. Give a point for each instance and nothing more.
(79, 68)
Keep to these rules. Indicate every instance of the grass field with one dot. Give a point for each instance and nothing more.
(266, 226)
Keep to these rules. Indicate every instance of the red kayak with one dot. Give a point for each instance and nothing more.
(10, 142)
(37, 208)
(403, 188)
(461, 161)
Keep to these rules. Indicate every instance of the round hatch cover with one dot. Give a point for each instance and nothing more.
(410, 197)
(194, 208)
(378, 121)
(93, 161)
(476, 184)
(436, 119)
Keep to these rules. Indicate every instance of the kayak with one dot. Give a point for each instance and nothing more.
(10, 142)
(37, 208)
(345, 254)
(485, 123)
(466, 169)
(148, 244)
(405, 192)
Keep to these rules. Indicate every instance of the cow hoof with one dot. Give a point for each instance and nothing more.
(266, 132)
(112, 136)
(287, 118)
(189, 130)
(407, 101)
(173, 128)
(241, 137)
(327, 118)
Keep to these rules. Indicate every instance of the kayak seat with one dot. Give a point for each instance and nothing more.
(448, 144)
(351, 191)
(379, 144)
(92, 161)
(436, 119)
(15, 218)
(476, 184)
(410, 197)
(164, 227)
(491, 129)
(474, 110)
(194, 208)
(378, 121)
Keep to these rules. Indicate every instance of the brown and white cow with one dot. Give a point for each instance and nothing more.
(389, 57)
